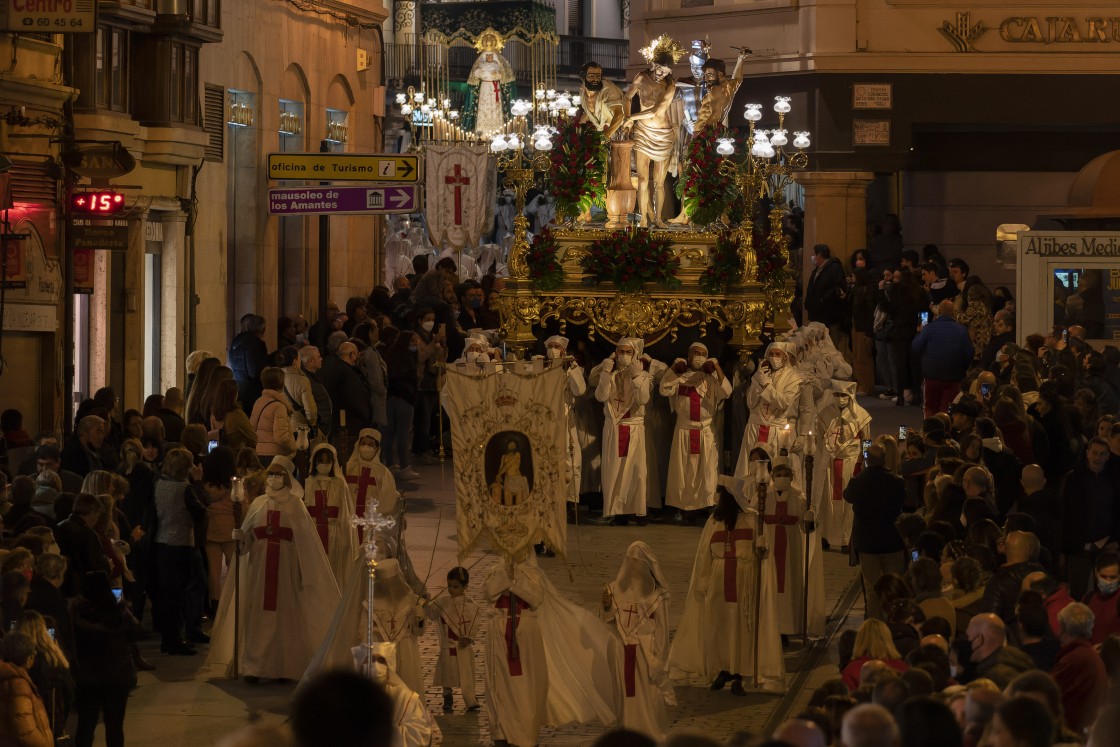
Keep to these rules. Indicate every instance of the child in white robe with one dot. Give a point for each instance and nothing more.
(636, 608)
(331, 505)
(459, 621)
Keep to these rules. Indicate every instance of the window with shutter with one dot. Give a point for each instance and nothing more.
(214, 122)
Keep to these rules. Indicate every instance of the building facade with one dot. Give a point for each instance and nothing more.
(955, 117)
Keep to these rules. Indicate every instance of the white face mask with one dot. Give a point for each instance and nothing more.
(427, 326)
(367, 452)
(775, 361)
(624, 359)
(783, 483)
(478, 358)
(380, 671)
(697, 362)
(274, 483)
(554, 353)
(323, 468)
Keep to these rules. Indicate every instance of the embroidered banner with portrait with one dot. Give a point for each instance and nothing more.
(509, 441)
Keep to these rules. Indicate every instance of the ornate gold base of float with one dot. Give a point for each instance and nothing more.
(652, 314)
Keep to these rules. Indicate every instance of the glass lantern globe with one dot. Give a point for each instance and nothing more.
(401, 98)
(801, 140)
(563, 102)
(778, 138)
(498, 144)
(543, 143)
(406, 109)
(726, 146)
(781, 104)
(418, 97)
(753, 112)
(573, 111)
(425, 109)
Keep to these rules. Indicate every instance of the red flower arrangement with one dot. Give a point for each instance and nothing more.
(629, 259)
(545, 273)
(726, 265)
(579, 167)
(705, 190)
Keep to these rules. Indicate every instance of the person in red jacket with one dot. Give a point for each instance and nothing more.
(1078, 669)
(1104, 600)
(23, 719)
(1055, 596)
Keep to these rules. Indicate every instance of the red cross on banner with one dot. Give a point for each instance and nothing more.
(363, 480)
(730, 561)
(272, 533)
(322, 513)
(458, 180)
(780, 519)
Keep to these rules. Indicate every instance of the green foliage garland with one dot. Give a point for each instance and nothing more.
(579, 165)
(726, 264)
(545, 273)
(705, 189)
(630, 258)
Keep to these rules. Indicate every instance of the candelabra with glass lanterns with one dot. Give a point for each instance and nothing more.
(437, 120)
(766, 170)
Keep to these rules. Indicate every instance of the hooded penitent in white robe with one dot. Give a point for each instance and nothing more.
(575, 388)
(369, 479)
(716, 632)
(459, 622)
(624, 395)
(284, 591)
(414, 725)
(773, 399)
(397, 618)
(844, 433)
(547, 660)
(694, 460)
(659, 434)
(783, 526)
(639, 616)
(331, 506)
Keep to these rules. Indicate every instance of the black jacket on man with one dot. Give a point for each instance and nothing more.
(876, 497)
(248, 356)
(348, 391)
(1089, 506)
(823, 298)
(82, 548)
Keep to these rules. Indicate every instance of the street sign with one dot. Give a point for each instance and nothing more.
(347, 167)
(58, 17)
(99, 234)
(381, 199)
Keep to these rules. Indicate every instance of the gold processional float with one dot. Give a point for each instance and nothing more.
(723, 260)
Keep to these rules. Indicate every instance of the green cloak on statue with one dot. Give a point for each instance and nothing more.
(491, 88)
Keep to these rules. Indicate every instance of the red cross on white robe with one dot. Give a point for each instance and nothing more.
(730, 560)
(458, 180)
(514, 605)
(781, 518)
(322, 513)
(363, 480)
(272, 533)
(694, 414)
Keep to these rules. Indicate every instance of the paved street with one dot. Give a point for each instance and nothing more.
(182, 703)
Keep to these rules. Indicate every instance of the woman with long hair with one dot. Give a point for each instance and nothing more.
(231, 422)
(51, 670)
(192, 413)
(210, 394)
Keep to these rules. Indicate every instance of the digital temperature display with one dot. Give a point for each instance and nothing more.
(97, 203)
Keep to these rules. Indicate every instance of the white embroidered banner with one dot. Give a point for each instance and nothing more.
(459, 190)
(509, 440)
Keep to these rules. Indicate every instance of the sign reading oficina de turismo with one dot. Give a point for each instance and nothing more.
(49, 16)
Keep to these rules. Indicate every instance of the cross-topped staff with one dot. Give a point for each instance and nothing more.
(372, 522)
(761, 477)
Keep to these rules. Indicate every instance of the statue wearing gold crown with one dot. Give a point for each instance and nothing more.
(490, 87)
(655, 129)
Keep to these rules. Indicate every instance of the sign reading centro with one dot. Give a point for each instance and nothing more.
(353, 167)
(49, 16)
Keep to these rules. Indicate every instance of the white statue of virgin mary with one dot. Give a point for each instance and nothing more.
(491, 87)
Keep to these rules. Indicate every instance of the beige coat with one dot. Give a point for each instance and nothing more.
(271, 419)
(298, 387)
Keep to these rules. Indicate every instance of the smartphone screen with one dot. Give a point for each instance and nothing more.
(50, 632)
(986, 390)
(903, 432)
(213, 444)
(913, 556)
(924, 317)
(118, 593)
(866, 446)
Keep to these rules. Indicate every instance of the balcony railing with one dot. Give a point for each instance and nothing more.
(408, 63)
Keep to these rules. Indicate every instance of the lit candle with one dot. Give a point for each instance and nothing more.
(342, 418)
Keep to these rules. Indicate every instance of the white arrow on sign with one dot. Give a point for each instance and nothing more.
(399, 197)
